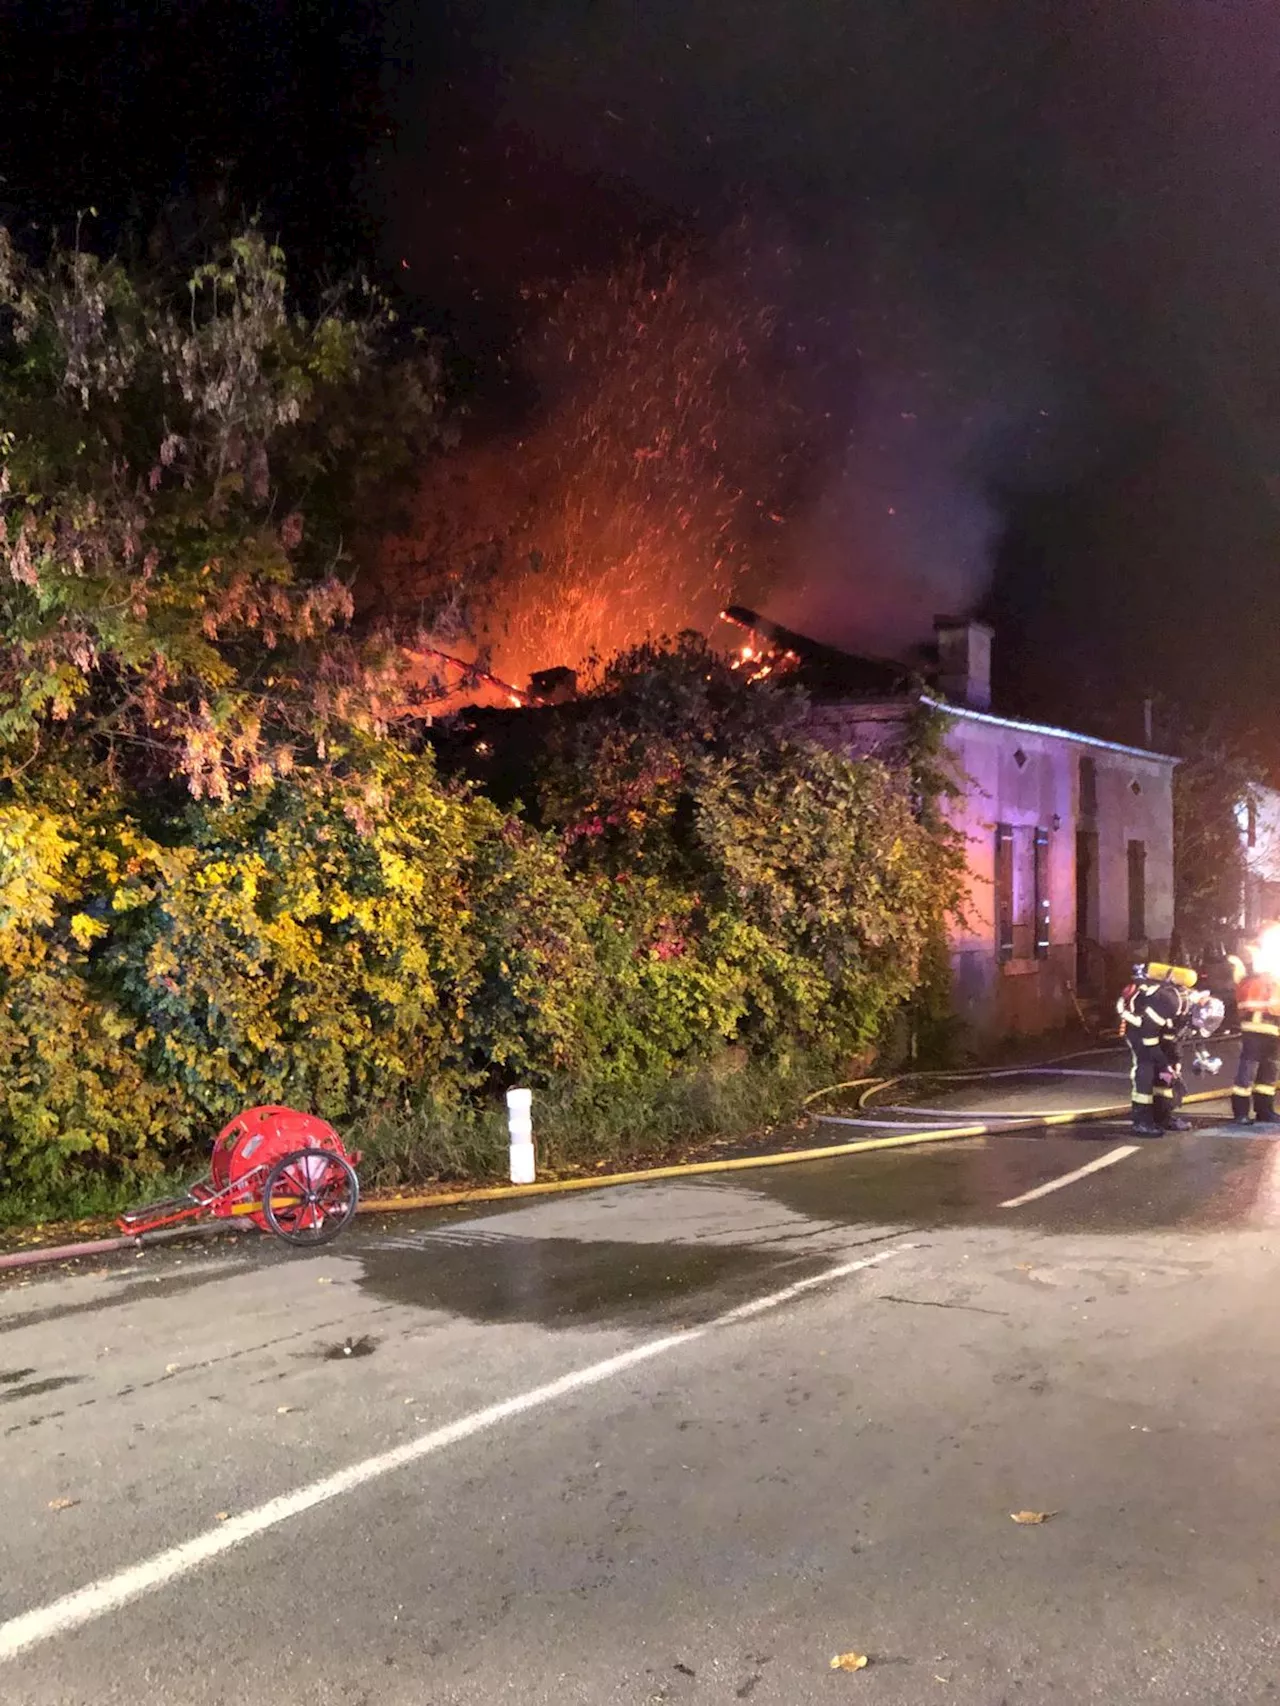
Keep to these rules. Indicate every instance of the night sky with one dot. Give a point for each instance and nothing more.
(1028, 252)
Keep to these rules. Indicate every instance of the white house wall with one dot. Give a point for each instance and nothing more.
(1030, 779)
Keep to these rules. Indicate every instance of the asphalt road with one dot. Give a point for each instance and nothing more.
(683, 1441)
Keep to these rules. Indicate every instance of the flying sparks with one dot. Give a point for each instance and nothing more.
(650, 482)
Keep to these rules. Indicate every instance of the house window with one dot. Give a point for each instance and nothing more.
(1040, 872)
(1004, 892)
(1137, 891)
(1088, 787)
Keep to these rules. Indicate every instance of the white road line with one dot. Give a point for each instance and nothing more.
(87, 1604)
(1107, 1160)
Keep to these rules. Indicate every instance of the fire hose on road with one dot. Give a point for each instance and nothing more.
(869, 1091)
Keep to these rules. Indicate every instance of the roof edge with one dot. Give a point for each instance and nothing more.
(971, 715)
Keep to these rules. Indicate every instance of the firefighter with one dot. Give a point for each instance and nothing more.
(1143, 1063)
(1155, 1012)
(1170, 1085)
(1258, 1004)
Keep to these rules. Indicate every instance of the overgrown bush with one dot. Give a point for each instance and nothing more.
(787, 894)
(74, 1085)
(222, 881)
(393, 949)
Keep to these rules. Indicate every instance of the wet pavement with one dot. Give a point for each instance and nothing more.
(712, 1467)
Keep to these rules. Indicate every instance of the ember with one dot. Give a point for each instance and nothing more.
(758, 659)
(651, 483)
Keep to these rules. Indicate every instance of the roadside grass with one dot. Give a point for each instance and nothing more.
(88, 1197)
(579, 1129)
(576, 1129)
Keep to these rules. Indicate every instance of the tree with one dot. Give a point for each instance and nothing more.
(187, 472)
(1211, 786)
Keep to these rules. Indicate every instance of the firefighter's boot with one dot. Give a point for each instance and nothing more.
(1264, 1104)
(1240, 1108)
(1144, 1124)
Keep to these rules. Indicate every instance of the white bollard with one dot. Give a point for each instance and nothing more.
(520, 1125)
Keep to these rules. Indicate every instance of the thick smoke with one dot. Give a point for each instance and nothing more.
(954, 393)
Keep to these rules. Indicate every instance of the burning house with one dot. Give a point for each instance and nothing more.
(1069, 838)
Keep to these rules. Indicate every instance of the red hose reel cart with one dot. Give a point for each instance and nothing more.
(288, 1172)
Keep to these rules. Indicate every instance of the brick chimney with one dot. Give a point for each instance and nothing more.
(964, 661)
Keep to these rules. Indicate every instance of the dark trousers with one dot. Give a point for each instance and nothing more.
(1256, 1076)
(1144, 1071)
(1155, 1082)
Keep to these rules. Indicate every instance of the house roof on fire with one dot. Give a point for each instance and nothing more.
(830, 673)
(873, 689)
(833, 676)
